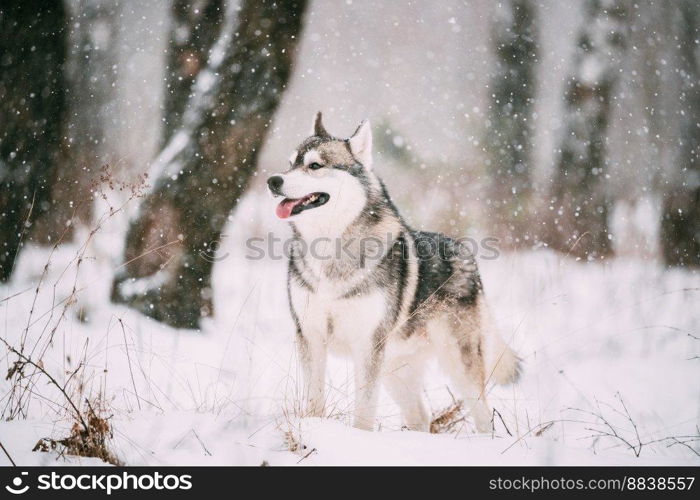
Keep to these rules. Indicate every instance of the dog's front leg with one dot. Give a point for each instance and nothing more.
(368, 360)
(312, 352)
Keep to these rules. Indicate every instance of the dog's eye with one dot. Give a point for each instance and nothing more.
(315, 166)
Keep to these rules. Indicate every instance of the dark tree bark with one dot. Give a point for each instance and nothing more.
(680, 223)
(195, 27)
(90, 72)
(33, 46)
(580, 203)
(205, 167)
(510, 122)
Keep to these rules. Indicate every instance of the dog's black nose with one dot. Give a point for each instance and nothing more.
(275, 183)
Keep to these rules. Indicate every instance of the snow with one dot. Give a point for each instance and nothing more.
(591, 335)
(620, 338)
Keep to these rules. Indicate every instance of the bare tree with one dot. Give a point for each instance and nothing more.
(205, 167)
(680, 223)
(580, 203)
(510, 119)
(33, 47)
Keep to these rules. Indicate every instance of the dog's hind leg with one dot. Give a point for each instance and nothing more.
(402, 379)
(458, 340)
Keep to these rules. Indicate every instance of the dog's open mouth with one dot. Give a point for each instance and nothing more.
(294, 206)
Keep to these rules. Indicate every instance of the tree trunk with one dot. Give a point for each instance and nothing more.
(33, 43)
(195, 26)
(680, 223)
(580, 203)
(510, 125)
(206, 165)
(90, 72)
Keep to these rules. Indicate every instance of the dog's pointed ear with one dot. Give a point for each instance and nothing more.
(361, 144)
(317, 128)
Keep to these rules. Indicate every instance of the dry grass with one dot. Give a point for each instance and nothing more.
(90, 429)
(90, 440)
(446, 420)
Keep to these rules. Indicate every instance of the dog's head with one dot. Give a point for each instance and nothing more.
(328, 180)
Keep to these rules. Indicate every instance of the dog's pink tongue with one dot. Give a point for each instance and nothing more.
(284, 209)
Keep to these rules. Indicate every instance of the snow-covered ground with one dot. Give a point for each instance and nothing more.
(617, 341)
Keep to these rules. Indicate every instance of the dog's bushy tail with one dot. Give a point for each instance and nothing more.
(507, 366)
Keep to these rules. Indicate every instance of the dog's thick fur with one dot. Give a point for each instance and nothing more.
(391, 299)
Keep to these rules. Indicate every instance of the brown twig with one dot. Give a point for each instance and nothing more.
(53, 381)
(612, 431)
(313, 450)
(493, 424)
(7, 454)
(128, 358)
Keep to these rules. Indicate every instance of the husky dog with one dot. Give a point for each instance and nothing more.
(391, 298)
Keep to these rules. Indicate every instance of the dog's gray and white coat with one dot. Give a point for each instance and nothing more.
(391, 299)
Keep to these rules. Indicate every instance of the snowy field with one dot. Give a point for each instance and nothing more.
(611, 366)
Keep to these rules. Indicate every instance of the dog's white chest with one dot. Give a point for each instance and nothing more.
(343, 323)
